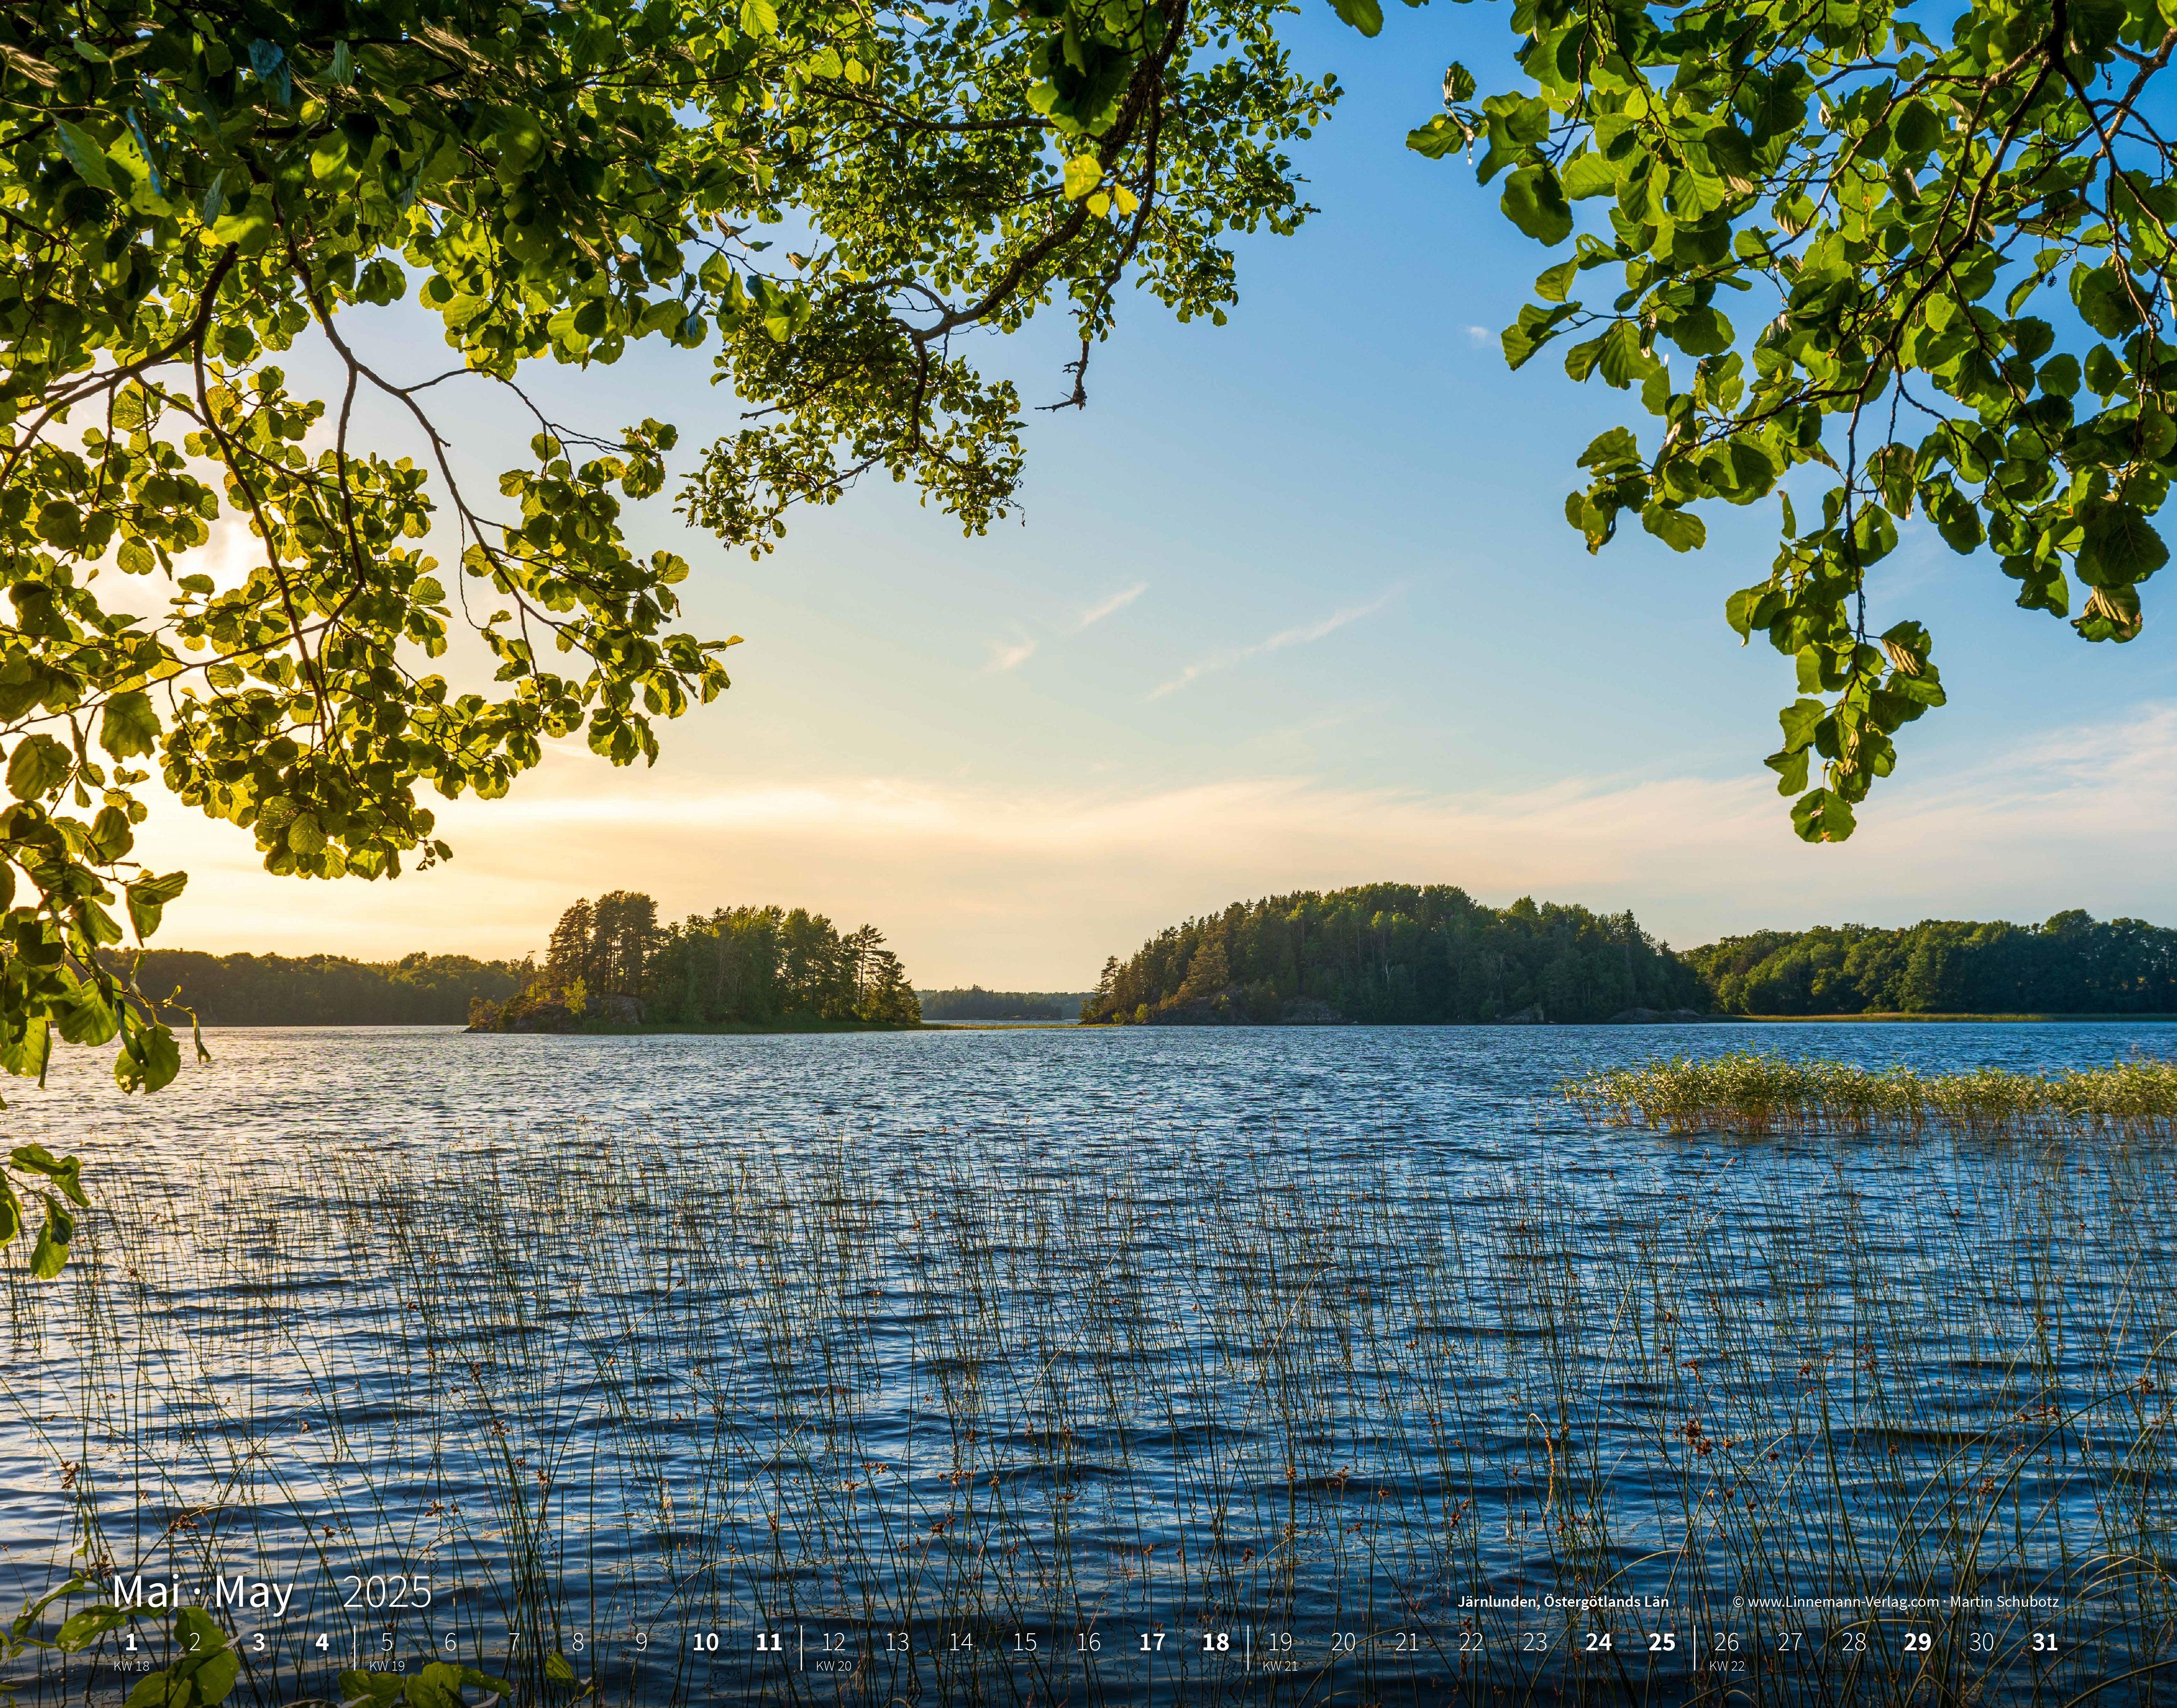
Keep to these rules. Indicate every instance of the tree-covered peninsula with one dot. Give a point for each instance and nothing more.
(417, 989)
(2073, 964)
(1396, 954)
(612, 966)
(975, 1003)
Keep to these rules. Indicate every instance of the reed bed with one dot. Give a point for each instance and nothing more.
(618, 1395)
(1754, 1092)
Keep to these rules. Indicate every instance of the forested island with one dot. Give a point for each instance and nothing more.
(1393, 954)
(612, 966)
(417, 989)
(2073, 964)
(975, 1003)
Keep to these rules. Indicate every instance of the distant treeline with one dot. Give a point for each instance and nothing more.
(613, 964)
(2074, 964)
(1393, 953)
(1383, 953)
(418, 990)
(975, 1003)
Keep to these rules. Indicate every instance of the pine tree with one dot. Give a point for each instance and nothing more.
(622, 940)
(1208, 974)
(889, 999)
(571, 954)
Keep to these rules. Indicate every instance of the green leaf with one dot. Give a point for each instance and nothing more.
(1611, 451)
(2105, 373)
(248, 229)
(1732, 152)
(129, 725)
(1915, 130)
(1439, 137)
(1791, 768)
(1458, 85)
(1553, 283)
(84, 1627)
(1535, 327)
(2119, 547)
(2105, 300)
(1597, 522)
(1364, 15)
(556, 1666)
(50, 1255)
(147, 898)
(1679, 530)
(1589, 175)
(2112, 614)
(37, 767)
(1580, 360)
(1822, 815)
(1891, 468)
(149, 1058)
(1535, 202)
(438, 1685)
(26, 1056)
(1620, 357)
(1699, 331)
(2030, 336)
(759, 18)
(64, 1171)
(84, 153)
(1874, 535)
(1957, 518)
(1798, 720)
(1083, 172)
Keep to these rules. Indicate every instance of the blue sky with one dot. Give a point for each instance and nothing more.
(1291, 605)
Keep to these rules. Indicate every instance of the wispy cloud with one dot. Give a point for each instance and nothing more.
(1298, 635)
(1117, 601)
(1009, 655)
(1480, 337)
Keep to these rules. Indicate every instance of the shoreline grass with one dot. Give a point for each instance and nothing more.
(1753, 1093)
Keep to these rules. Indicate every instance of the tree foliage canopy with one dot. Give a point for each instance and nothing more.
(975, 1003)
(418, 990)
(1394, 954)
(1926, 266)
(613, 964)
(188, 193)
(2073, 964)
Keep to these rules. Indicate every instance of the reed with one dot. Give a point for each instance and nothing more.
(619, 1394)
(1753, 1093)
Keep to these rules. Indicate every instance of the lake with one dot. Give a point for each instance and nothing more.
(1162, 1365)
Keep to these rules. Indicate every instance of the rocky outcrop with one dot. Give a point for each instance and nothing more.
(1661, 1017)
(1525, 1016)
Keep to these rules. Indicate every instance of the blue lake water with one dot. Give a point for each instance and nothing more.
(1334, 1365)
